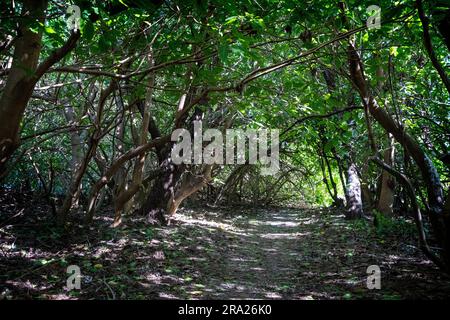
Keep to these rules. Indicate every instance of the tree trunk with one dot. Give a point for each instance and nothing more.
(24, 74)
(341, 171)
(90, 153)
(440, 224)
(76, 144)
(429, 173)
(386, 201)
(429, 46)
(124, 200)
(20, 83)
(191, 183)
(330, 173)
(367, 197)
(155, 207)
(324, 175)
(353, 195)
(416, 210)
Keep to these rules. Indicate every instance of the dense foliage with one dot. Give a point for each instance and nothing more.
(88, 123)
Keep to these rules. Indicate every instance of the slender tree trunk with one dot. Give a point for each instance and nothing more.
(367, 197)
(76, 145)
(114, 167)
(330, 173)
(230, 184)
(324, 175)
(429, 46)
(341, 170)
(386, 201)
(124, 201)
(90, 153)
(353, 195)
(417, 214)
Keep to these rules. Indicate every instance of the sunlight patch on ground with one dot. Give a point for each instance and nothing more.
(309, 220)
(273, 295)
(257, 269)
(211, 225)
(167, 296)
(208, 223)
(274, 236)
(273, 223)
(296, 255)
(197, 259)
(232, 286)
(238, 259)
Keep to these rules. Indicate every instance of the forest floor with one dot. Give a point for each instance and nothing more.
(211, 254)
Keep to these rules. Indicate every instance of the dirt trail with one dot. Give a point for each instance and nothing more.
(262, 259)
(226, 254)
(303, 254)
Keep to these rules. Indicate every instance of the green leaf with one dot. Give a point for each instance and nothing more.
(88, 31)
(49, 30)
(230, 20)
(223, 53)
(393, 51)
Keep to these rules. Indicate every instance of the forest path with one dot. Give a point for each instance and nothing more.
(291, 254)
(229, 253)
(262, 257)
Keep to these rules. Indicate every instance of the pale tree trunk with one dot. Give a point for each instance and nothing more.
(386, 201)
(353, 195)
(120, 176)
(76, 145)
(120, 179)
(353, 192)
(123, 202)
(75, 184)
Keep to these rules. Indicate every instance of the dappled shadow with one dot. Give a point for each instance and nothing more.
(217, 254)
(290, 254)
